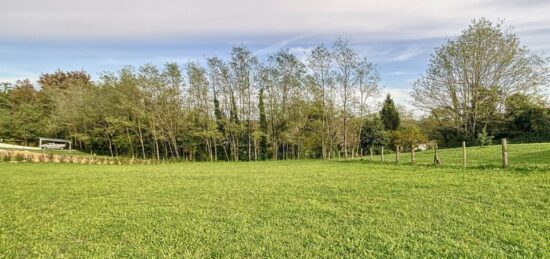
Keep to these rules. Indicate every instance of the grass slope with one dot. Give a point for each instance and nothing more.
(276, 209)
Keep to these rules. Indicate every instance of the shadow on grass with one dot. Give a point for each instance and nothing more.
(542, 157)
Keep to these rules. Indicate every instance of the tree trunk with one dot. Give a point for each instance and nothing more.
(413, 155)
(141, 140)
(437, 161)
(110, 144)
(130, 142)
(249, 141)
(255, 150)
(215, 150)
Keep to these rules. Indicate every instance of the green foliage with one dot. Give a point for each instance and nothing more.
(61, 80)
(22, 113)
(218, 115)
(26, 122)
(5, 123)
(5, 113)
(373, 134)
(449, 136)
(389, 115)
(483, 139)
(526, 119)
(408, 136)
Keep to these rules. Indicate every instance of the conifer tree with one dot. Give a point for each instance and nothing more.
(389, 115)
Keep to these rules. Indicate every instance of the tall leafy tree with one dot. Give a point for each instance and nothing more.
(346, 61)
(27, 119)
(319, 63)
(242, 65)
(470, 77)
(205, 127)
(284, 88)
(5, 115)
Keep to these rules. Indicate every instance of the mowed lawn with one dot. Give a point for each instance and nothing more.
(277, 209)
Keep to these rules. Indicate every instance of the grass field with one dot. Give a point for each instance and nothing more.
(522, 156)
(282, 209)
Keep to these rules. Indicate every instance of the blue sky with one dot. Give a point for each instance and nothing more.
(43, 36)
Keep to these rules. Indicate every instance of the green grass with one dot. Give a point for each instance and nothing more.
(279, 209)
(521, 156)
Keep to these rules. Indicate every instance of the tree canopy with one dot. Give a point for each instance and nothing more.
(469, 78)
(241, 108)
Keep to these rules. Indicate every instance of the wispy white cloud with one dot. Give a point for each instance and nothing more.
(398, 73)
(276, 46)
(408, 54)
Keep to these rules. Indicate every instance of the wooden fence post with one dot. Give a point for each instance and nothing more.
(397, 153)
(382, 153)
(437, 161)
(504, 153)
(413, 155)
(464, 154)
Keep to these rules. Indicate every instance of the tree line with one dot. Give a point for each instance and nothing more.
(236, 109)
(244, 108)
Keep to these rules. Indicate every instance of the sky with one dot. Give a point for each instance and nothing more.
(38, 36)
